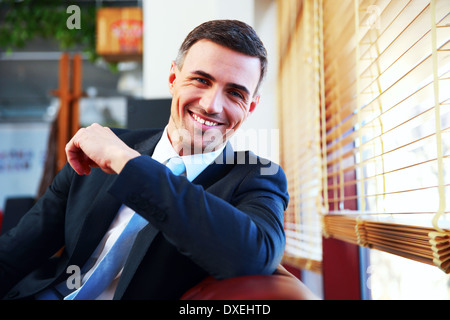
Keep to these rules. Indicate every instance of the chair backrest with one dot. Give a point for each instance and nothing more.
(15, 208)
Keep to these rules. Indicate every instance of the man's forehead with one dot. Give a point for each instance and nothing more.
(203, 48)
(216, 60)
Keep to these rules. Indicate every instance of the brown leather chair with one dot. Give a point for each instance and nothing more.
(282, 285)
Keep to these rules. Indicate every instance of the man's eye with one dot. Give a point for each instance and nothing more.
(237, 94)
(201, 80)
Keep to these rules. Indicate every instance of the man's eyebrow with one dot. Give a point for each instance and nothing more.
(231, 85)
(204, 74)
(239, 87)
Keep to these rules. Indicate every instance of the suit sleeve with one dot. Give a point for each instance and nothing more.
(242, 235)
(38, 235)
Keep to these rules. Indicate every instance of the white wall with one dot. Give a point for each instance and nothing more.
(166, 25)
(265, 118)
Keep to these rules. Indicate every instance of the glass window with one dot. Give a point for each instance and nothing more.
(392, 277)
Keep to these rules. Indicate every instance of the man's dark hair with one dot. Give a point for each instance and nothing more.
(233, 34)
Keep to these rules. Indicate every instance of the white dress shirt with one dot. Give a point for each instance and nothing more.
(195, 164)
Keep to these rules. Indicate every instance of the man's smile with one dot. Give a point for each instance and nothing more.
(203, 121)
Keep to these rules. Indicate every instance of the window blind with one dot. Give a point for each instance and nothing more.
(381, 78)
(299, 94)
(387, 124)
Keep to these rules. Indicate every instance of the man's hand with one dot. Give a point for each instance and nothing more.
(98, 147)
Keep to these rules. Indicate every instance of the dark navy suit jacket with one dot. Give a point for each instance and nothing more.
(227, 222)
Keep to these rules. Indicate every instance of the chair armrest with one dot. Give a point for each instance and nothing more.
(281, 285)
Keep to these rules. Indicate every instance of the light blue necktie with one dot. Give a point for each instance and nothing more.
(113, 261)
(176, 165)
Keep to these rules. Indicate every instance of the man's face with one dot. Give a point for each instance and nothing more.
(213, 94)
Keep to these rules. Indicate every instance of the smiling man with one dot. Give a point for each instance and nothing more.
(214, 214)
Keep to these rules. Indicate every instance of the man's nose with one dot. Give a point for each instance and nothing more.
(212, 101)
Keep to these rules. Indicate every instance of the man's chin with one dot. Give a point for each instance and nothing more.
(196, 140)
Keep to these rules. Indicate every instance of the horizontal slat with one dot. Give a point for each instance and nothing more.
(303, 263)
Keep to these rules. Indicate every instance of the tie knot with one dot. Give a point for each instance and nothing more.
(176, 165)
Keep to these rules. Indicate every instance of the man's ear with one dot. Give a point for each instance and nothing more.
(254, 103)
(172, 76)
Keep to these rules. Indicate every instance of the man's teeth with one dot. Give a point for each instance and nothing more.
(203, 121)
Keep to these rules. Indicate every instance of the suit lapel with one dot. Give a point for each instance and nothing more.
(100, 215)
(148, 146)
(218, 169)
(140, 247)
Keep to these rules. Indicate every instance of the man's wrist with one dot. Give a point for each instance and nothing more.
(119, 162)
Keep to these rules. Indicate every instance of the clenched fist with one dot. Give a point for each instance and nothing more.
(98, 147)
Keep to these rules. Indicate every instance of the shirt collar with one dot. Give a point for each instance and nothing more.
(195, 163)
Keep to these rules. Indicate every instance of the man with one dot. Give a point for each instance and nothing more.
(221, 216)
